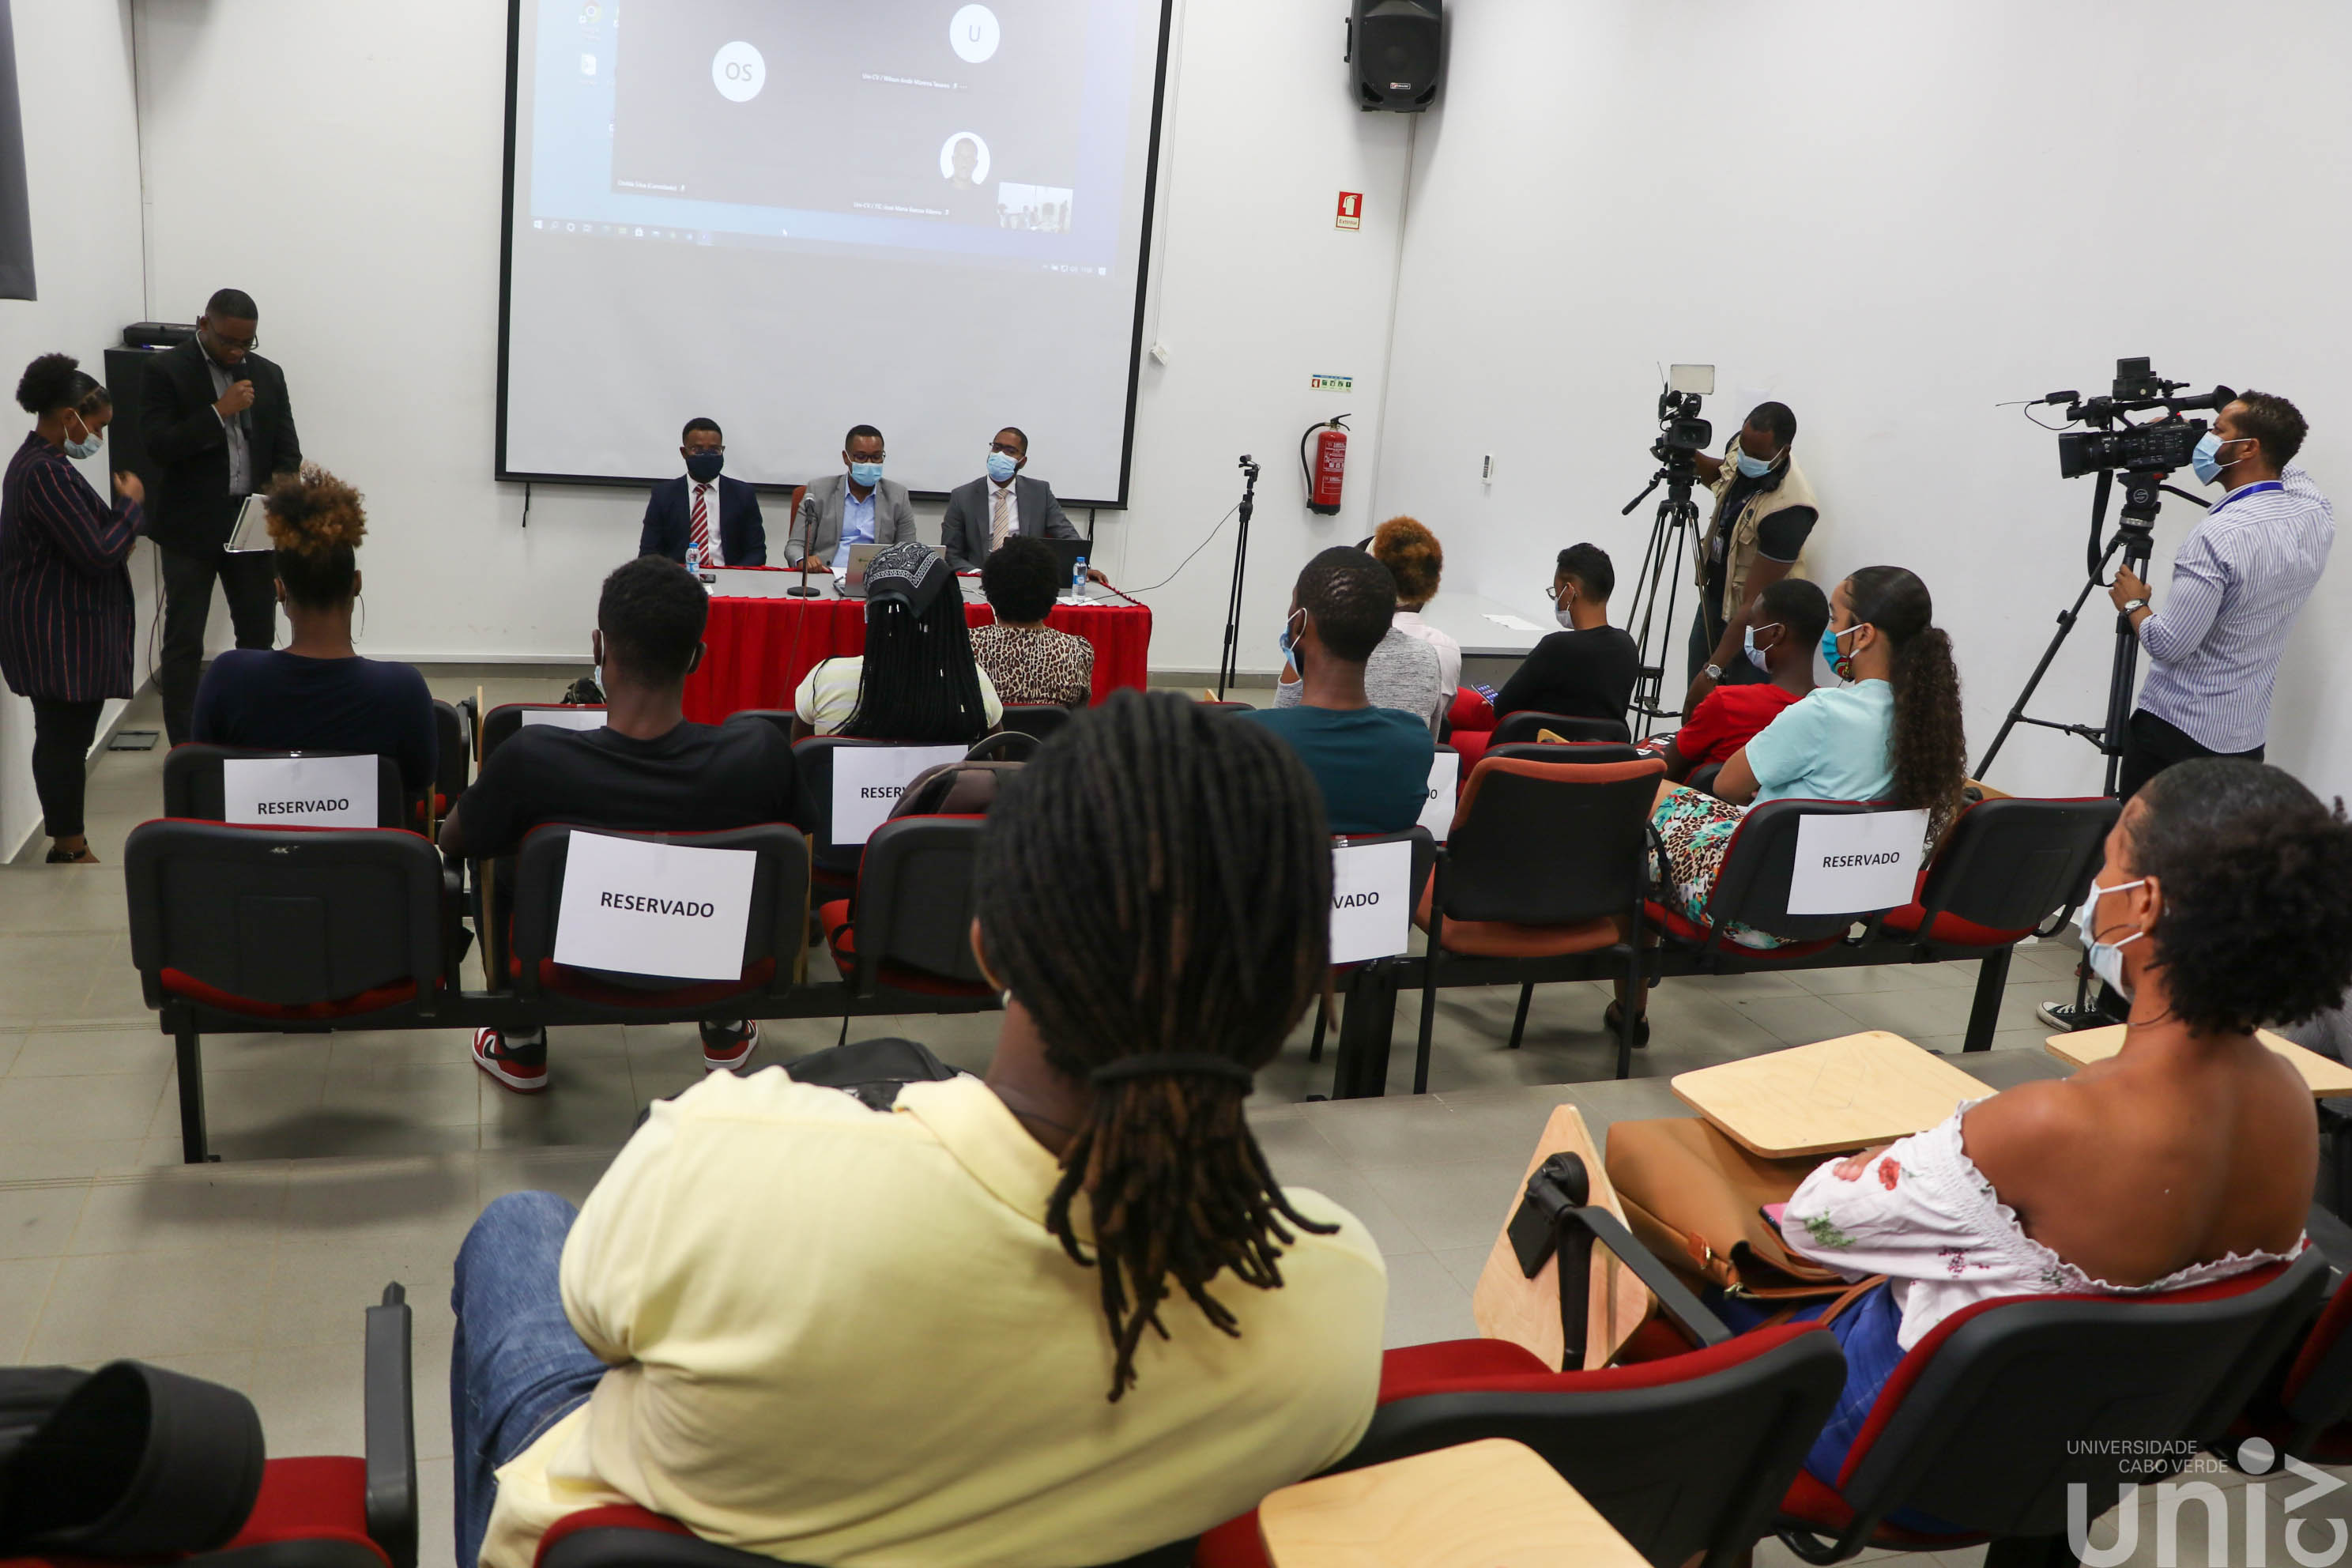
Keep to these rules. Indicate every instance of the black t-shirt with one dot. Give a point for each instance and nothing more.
(1587, 675)
(698, 778)
(280, 702)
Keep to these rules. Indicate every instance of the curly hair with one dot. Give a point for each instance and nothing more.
(316, 522)
(652, 612)
(1158, 880)
(1413, 558)
(1021, 577)
(56, 381)
(2257, 881)
(1930, 746)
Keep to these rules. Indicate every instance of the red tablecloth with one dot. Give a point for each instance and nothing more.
(760, 649)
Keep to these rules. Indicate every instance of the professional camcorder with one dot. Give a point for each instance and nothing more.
(1681, 432)
(2161, 446)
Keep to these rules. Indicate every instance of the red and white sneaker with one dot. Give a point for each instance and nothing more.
(502, 1062)
(725, 1050)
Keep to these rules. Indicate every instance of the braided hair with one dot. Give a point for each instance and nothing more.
(919, 684)
(1158, 880)
(1928, 748)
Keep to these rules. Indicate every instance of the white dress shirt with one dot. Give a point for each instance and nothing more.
(717, 555)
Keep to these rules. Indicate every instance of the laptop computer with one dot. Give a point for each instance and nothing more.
(250, 533)
(851, 585)
(1067, 553)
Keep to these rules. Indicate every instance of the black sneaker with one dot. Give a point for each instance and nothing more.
(725, 1047)
(2067, 1018)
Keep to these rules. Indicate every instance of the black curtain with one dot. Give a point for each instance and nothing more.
(15, 215)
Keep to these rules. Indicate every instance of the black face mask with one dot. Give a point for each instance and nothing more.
(703, 466)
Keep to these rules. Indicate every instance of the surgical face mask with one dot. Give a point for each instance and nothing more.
(1288, 641)
(2106, 958)
(1830, 654)
(89, 446)
(866, 475)
(1564, 609)
(1752, 467)
(1757, 656)
(703, 466)
(1001, 467)
(2206, 459)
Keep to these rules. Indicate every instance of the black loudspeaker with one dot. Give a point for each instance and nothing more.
(126, 441)
(1396, 48)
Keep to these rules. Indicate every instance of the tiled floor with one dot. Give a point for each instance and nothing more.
(351, 1159)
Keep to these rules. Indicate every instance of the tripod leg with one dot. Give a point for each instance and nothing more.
(2067, 620)
(2122, 674)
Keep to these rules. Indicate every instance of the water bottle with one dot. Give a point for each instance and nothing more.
(1078, 580)
(693, 556)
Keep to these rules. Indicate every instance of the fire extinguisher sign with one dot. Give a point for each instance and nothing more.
(1352, 210)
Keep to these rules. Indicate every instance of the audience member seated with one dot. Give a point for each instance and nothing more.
(1784, 627)
(1024, 658)
(646, 771)
(1404, 672)
(1370, 758)
(1585, 669)
(1893, 734)
(915, 681)
(317, 693)
(1058, 1315)
(2225, 902)
(1416, 561)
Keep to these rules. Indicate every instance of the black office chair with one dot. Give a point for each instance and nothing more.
(453, 734)
(1525, 725)
(194, 788)
(1043, 719)
(499, 723)
(1752, 889)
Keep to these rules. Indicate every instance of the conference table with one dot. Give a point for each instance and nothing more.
(758, 648)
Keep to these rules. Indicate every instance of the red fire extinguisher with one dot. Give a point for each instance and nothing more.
(1327, 472)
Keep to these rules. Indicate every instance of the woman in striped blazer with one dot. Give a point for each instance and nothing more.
(64, 594)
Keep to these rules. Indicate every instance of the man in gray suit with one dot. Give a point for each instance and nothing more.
(858, 507)
(986, 513)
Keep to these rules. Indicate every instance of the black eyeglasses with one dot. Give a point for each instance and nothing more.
(247, 344)
(1010, 451)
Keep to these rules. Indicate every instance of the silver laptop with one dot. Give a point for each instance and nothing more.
(250, 536)
(853, 581)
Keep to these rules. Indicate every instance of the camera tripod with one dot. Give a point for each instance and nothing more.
(1675, 525)
(1228, 658)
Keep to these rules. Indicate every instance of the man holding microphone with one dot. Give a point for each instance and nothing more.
(218, 426)
(2238, 579)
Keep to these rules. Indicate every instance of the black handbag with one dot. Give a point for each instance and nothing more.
(126, 1461)
(874, 1071)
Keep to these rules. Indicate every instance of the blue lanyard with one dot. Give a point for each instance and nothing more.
(2255, 488)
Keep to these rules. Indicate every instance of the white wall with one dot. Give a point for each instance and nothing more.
(1893, 217)
(81, 155)
(346, 171)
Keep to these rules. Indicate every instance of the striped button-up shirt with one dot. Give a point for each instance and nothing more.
(66, 618)
(2213, 647)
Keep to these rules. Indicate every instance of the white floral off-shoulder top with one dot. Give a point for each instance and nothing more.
(1924, 1215)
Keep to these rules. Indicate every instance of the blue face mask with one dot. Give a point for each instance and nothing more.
(866, 475)
(1289, 647)
(1754, 468)
(1001, 467)
(88, 446)
(703, 466)
(1760, 657)
(1830, 655)
(2206, 459)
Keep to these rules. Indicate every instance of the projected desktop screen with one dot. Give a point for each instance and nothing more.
(796, 215)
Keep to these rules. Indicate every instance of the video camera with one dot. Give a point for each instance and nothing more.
(1681, 432)
(2161, 446)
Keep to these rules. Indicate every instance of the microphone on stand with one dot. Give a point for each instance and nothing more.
(808, 548)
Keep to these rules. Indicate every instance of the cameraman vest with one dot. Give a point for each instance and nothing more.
(1783, 488)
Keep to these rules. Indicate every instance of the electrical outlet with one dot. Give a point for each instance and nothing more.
(1486, 469)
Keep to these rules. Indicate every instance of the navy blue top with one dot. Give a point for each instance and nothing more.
(273, 700)
(65, 595)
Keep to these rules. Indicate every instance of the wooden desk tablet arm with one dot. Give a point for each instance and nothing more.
(389, 1421)
(1555, 1216)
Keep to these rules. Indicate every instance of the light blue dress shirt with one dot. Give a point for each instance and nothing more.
(857, 523)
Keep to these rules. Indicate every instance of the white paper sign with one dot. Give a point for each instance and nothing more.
(565, 718)
(868, 780)
(1856, 865)
(1444, 777)
(664, 910)
(306, 792)
(1371, 900)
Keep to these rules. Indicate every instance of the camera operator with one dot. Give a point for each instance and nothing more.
(2238, 581)
(1763, 511)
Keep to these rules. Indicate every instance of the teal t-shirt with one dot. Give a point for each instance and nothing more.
(1373, 762)
(1834, 743)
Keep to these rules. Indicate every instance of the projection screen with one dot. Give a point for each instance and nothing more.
(796, 215)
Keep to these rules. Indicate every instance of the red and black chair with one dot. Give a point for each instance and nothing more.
(908, 926)
(291, 930)
(1686, 1455)
(1221, 705)
(194, 788)
(629, 1537)
(175, 1468)
(834, 865)
(1985, 1427)
(1368, 990)
(2304, 1407)
(2005, 871)
(500, 722)
(453, 737)
(772, 938)
(1527, 723)
(1542, 873)
(1751, 888)
(1043, 719)
(1004, 746)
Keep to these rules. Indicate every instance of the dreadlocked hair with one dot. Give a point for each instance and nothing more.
(919, 684)
(1158, 879)
(1929, 747)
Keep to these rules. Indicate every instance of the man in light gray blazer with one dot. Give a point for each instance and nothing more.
(968, 533)
(856, 507)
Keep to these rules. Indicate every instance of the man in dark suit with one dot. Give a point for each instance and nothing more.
(218, 427)
(703, 509)
(984, 514)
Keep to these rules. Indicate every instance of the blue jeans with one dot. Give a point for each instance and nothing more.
(517, 1366)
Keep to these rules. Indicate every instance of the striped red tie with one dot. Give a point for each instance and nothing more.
(701, 523)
